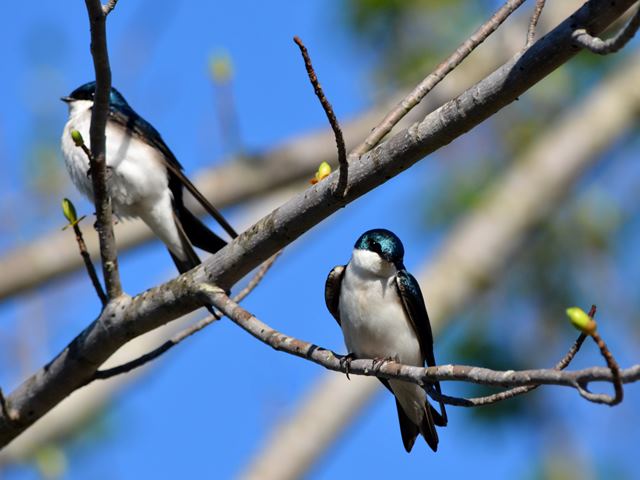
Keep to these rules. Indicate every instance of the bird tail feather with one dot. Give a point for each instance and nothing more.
(197, 232)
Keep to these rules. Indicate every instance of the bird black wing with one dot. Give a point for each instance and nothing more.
(415, 308)
(138, 127)
(332, 291)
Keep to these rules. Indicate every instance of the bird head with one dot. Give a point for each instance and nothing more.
(379, 251)
(83, 95)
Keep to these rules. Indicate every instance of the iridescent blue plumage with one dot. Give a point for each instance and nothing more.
(385, 243)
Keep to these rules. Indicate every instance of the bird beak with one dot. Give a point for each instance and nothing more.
(66, 99)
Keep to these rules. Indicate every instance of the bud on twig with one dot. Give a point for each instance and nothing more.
(77, 138)
(581, 321)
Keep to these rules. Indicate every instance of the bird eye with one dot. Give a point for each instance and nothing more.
(376, 247)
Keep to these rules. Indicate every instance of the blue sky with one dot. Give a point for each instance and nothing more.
(210, 402)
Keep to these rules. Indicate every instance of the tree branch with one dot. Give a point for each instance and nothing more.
(615, 374)
(98, 158)
(91, 271)
(421, 376)
(513, 392)
(125, 318)
(187, 332)
(333, 121)
(612, 45)
(441, 71)
(533, 23)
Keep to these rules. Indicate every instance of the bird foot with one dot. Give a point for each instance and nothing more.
(378, 362)
(345, 363)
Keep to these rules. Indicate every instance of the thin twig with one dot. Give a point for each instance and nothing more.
(392, 370)
(615, 374)
(82, 246)
(531, 33)
(612, 45)
(512, 392)
(257, 278)
(109, 6)
(102, 201)
(87, 152)
(341, 188)
(441, 71)
(187, 332)
(153, 354)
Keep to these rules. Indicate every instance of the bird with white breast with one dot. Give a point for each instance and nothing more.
(144, 178)
(380, 308)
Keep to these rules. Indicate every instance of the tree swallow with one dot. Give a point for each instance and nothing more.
(144, 178)
(381, 311)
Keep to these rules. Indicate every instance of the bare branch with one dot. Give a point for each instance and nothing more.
(392, 370)
(257, 278)
(615, 374)
(341, 188)
(441, 71)
(99, 112)
(82, 246)
(531, 32)
(71, 215)
(187, 332)
(612, 45)
(512, 392)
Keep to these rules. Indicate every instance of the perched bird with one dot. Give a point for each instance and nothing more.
(382, 313)
(144, 178)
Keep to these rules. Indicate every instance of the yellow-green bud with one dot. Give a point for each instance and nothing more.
(323, 171)
(581, 321)
(69, 210)
(77, 138)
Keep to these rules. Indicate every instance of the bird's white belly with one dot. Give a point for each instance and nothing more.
(373, 319)
(136, 178)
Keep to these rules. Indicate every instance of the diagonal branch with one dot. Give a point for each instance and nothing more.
(125, 318)
(187, 332)
(435, 77)
(98, 158)
(533, 23)
(91, 271)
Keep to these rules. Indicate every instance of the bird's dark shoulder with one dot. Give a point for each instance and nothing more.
(332, 291)
(413, 302)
